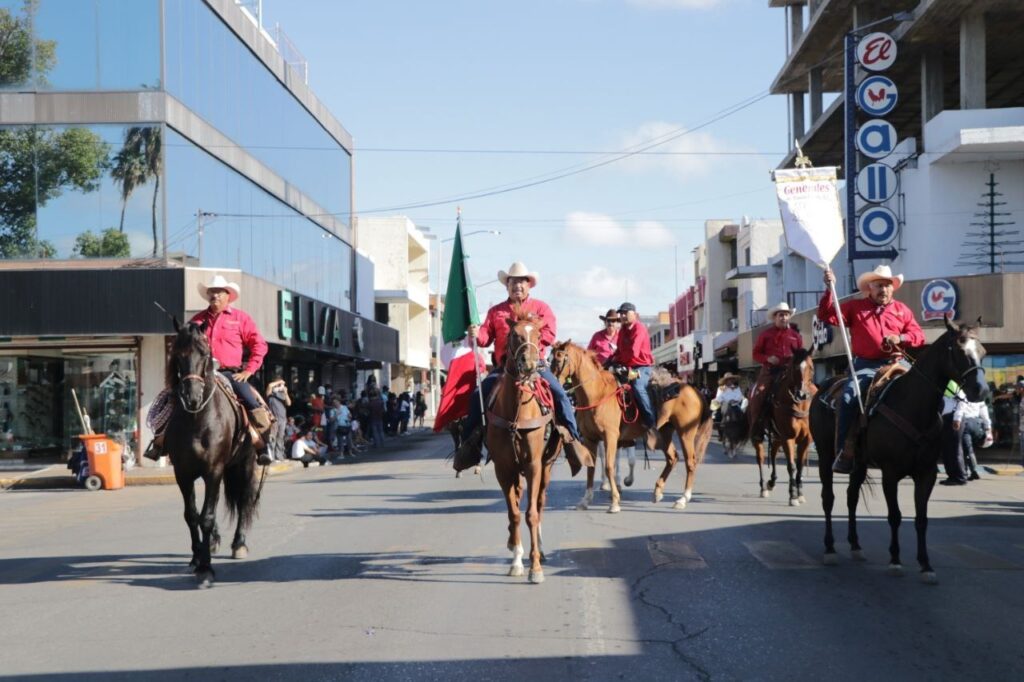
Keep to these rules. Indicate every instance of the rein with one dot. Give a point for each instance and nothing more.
(206, 400)
(619, 394)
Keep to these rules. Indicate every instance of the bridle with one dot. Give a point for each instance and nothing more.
(941, 390)
(207, 392)
(512, 359)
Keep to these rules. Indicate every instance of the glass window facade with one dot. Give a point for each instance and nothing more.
(214, 74)
(81, 191)
(80, 45)
(251, 230)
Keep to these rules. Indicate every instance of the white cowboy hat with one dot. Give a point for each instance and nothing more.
(880, 272)
(779, 308)
(218, 282)
(517, 269)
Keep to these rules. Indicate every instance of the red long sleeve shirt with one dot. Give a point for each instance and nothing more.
(495, 326)
(633, 346)
(869, 323)
(778, 342)
(602, 346)
(230, 333)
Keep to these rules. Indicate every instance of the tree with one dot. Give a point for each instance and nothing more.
(16, 48)
(111, 243)
(140, 159)
(37, 165)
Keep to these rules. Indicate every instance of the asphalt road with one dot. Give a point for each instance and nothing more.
(390, 569)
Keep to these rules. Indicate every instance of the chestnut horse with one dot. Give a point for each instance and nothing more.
(901, 437)
(788, 425)
(515, 437)
(599, 412)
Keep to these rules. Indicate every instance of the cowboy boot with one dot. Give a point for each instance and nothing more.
(470, 451)
(260, 420)
(156, 448)
(576, 453)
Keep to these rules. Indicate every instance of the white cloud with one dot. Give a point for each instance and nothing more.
(600, 283)
(692, 155)
(676, 4)
(598, 229)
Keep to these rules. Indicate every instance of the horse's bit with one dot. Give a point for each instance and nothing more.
(206, 401)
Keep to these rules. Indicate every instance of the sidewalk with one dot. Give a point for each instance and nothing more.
(58, 476)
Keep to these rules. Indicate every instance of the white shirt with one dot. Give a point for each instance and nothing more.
(300, 448)
(726, 394)
(966, 410)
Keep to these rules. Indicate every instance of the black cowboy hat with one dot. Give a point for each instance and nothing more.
(611, 316)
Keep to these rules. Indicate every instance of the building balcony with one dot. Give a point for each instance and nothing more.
(747, 272)
(728, 233)
(729, 294)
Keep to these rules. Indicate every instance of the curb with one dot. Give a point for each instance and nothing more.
(1004, 469)
(67, 481)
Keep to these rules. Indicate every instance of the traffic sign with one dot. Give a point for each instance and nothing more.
(876, 51)
(877, 226)
(877, 183)
(876, 139)
(877, 95)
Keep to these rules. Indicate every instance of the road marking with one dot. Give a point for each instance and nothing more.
(972, 557)
(780, 556)
(675, 554)
(593, 626)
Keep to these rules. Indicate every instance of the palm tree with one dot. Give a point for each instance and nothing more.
(140, 159)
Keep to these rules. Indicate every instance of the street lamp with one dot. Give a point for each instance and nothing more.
(436, 368)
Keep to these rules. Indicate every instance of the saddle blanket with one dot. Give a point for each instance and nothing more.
(162, 407)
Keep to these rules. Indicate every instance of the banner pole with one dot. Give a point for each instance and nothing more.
(846, 345)
(476, 358)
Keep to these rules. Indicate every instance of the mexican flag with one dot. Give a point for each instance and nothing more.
(460, 298)
(459, 387)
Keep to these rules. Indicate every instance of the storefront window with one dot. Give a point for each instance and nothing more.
(37, 407)
(1003, 369)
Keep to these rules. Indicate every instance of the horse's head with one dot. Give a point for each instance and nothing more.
(960, 358)
(190, 366)
(522, 348)
(563, 364)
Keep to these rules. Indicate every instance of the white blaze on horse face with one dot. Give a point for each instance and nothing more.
(970, 347)
(529, 329)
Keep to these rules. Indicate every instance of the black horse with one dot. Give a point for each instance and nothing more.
(207, 438)
(901, 437)
(733, 429)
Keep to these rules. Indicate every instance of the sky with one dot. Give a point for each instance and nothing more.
(449, 99)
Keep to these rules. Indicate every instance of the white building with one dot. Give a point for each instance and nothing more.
(401, 255)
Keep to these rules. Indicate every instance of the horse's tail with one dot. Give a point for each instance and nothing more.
(242, 487)
(704, 428)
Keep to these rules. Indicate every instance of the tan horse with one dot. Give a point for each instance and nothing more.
(599, 412)
(788, 426)
(515, 438)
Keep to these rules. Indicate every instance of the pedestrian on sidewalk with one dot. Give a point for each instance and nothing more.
(279, 401)
(420, 410)
(974, 424)
(376, 410)
(949, 438)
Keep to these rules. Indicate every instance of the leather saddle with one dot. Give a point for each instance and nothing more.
(883, 380)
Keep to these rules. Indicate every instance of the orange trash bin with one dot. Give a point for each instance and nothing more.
(105, 467)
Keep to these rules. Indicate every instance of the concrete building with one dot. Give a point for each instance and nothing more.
(157, 143)
(958, 155)
(401, 282)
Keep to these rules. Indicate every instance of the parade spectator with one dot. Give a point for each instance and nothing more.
(279, 401)
(306, 449)
(316, 407)
(974, 425)
(391, 415)
(419, 410)
(331, 422)
(375, 408)
(949, 439)
(404, 412)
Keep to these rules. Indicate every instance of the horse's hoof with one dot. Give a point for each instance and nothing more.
(204, 579)
(605, 486)
(627, 481)
(458, 474)
(536, 577)
(240, 552)
(476, 470)
(765, 493)
(582, 506)
(801, 499)
(680, 503)
(771, 485)
(895, 570)
(614, 508)
(793, 502)
(658, 495)
(857, 555)
(830, 559)
(929, 578)
(688, 495)
(516, 571)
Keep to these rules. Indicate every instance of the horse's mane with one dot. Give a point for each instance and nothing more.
(520, 315)
(190, 337)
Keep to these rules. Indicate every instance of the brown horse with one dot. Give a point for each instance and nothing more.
(788, 425)
(602, 419)
(515, 438)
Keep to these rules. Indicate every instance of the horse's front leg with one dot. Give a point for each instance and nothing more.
(773, 453)
(923, 484)
(588, 494)
(688, 440)
(670, 462)
(207, 526)
(828, 499)
(188, 494)
(611, 446)
(508, 479)
(534, 475)
(860, 472)
(890, 487)
(789, 450)
(802, 444)
(759, 455)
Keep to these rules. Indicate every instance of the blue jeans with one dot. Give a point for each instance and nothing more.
(244, 390)
(643, 398)
(864, 371)
(563, 407)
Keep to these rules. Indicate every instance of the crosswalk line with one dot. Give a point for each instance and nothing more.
(779, 555)
(675, 554)
(971, 557)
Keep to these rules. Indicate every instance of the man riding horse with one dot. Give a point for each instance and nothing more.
(604, 341)
(773, 349)
(518, 282)
(729, 393)
(232, 333)
(633, 351)
(879, 327)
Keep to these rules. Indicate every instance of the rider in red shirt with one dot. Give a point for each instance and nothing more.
(633, 350)
(773, 349)
(603, 342)
(879, 326)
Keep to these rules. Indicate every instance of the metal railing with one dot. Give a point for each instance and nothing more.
(803, 300)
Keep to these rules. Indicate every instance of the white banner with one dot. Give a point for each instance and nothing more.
(809, 204)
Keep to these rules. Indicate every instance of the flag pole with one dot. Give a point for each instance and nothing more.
(476, 358)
